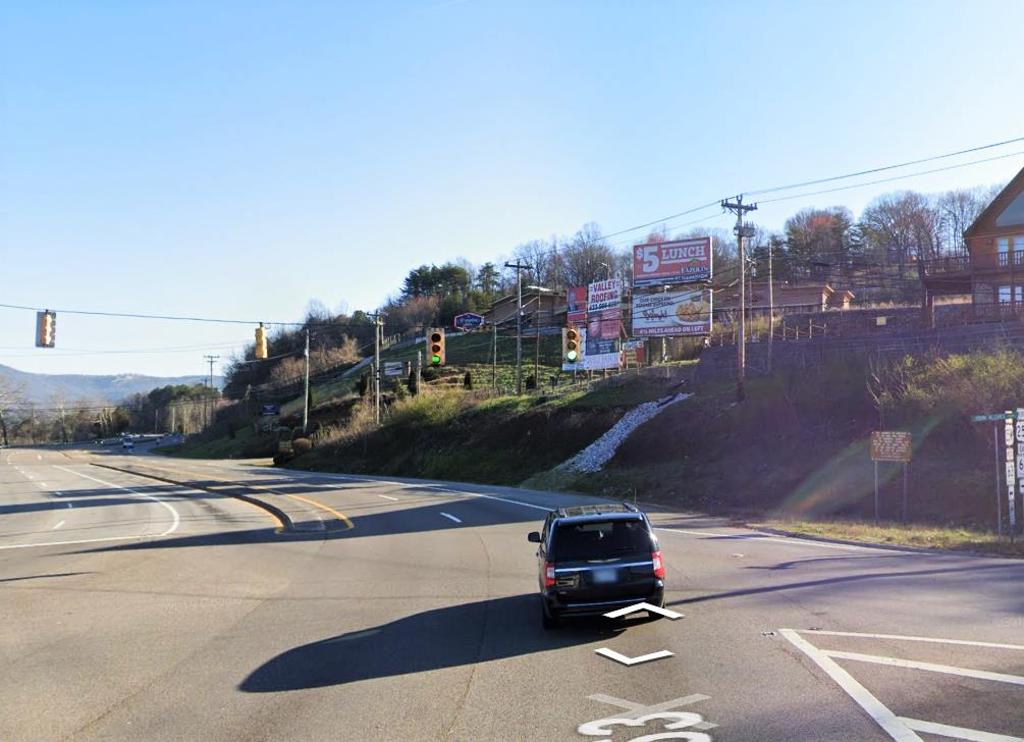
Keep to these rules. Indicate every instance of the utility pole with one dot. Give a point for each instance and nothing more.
(377, 325)
(520, 267)
(305, 388)
(209, 415)
(494, 358)
(741, 231)
(771, 304)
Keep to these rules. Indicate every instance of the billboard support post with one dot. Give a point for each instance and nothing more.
(999, 500)
(876, 492)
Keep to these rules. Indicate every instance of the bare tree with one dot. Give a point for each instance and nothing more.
(901, 227)
(12, 395)
(957, 211)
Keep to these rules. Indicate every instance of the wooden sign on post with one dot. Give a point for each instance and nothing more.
(891, 445)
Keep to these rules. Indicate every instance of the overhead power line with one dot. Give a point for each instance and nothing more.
(886, 167)
(890, 180)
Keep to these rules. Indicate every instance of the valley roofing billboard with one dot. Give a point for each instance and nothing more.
(671, 314)
(667, 263)
(604, 321)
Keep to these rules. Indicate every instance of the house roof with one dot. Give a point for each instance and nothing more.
(1010, 196)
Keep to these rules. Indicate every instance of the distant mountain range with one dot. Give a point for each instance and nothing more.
(41, 388)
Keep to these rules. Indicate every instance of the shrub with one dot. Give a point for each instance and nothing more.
(430, 374)
(467, 380)
(412, 385)
(301, 446)
(531, 381)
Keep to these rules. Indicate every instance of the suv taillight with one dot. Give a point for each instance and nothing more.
(659, 565)
(549, 574)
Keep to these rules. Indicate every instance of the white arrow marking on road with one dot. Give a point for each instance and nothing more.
(57, 526)
(388, 497)
(671, 615)
(451, 517)
(630, 661)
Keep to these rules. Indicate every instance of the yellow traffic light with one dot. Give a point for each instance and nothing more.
(571, 344)
(261, 343)
(46, 329)
(435, 341)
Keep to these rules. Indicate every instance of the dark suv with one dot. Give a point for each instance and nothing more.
(595, 558)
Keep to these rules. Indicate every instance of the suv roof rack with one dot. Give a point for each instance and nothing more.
(599, 509)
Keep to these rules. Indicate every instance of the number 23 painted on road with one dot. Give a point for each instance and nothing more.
(680, 720)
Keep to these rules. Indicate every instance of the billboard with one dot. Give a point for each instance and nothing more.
(671, 314)
(666, 263)
(576, 310)
(604, 322)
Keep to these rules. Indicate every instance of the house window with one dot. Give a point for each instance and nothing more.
(1004, 294)
(1018, 249)
(1003, 244)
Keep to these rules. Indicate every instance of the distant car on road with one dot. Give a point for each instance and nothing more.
(128, 444)
(595, 558)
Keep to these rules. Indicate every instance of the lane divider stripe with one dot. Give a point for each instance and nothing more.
(175, 518)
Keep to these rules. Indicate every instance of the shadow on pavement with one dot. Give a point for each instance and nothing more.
(422, 519)
(40, 577)
(453, 636)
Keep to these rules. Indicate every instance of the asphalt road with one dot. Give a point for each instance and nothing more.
(131, 608)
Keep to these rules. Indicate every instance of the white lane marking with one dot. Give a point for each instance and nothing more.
(57, 526)
(482, 496)
(629, 661)
(997, 677)
(875, 709)
(39, 457)
(175, 518)
(42, 485)
(945, 730)
(388, 497)
(451, 517)
(900, 637)
(345, 478)
(767, 537)
(78, 541)
(620, 612)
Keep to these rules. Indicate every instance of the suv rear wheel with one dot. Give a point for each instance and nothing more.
(548, 619)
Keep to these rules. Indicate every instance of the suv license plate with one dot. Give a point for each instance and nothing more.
(605, 576)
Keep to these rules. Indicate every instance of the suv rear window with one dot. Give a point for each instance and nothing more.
(602, 539)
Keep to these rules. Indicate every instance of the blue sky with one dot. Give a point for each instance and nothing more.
(239, 159)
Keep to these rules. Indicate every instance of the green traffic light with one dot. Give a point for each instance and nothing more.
(436, 360)
(571, 355)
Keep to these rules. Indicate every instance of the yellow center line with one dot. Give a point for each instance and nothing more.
(340, 516)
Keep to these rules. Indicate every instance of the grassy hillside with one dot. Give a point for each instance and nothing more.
(799, 445)
(473, 352)
(447, 433)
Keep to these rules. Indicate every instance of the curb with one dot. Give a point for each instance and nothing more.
(887, 547)
(286, 522)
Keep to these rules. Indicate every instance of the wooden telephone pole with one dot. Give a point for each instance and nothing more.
(741, 230)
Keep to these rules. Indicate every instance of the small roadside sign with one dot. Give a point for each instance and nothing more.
(393, 368)
(993, 417)
(468, 321)
(270, 409)
(890, 445)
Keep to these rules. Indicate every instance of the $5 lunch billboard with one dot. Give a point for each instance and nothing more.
(667, 263)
